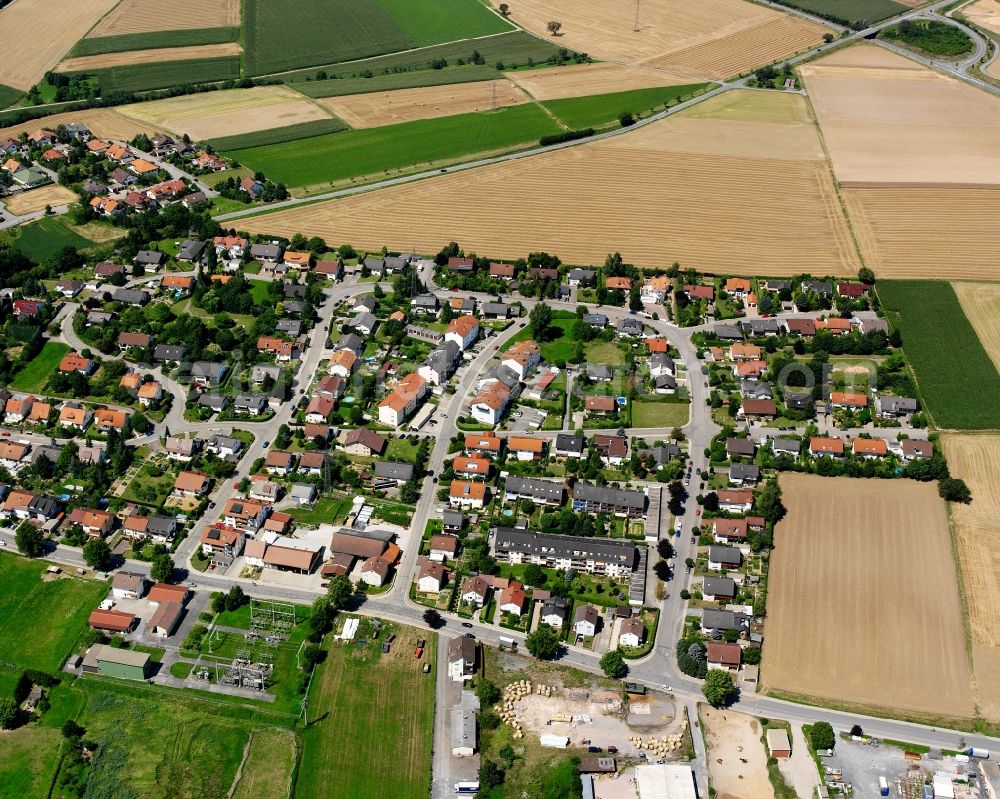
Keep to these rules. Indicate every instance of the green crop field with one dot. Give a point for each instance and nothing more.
(380, 151)
(957, 380)
(43, 239)
(153, 40)
(366, 707)
(263, 138)
(604, 109)
(513, 49)
(396, 80)
(444, 20)
(847, 11)
(40, 621)
(9, 95)
(337, 30)
(166, 74)
(36, 373)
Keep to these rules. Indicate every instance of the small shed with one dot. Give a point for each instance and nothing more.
(777, 743)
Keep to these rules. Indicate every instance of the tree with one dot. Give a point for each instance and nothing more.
(665, 549)
(319, 618)
(856, 731)
(553, 28)
(235, 598)
(312, 656)
(613, 664)
(634, 301)
(410, 492)
(533, 575)
(866, 275)
(504, 9)
(432, 618)
(954, 489)
(543, 643)
(340, 591)
(539, 321)
(488, 692)
(72, 730)
(29, 540)
(718, 687)
(821, 735)
(162, 568)
(490, 775)
(97, 554)
(8, 713)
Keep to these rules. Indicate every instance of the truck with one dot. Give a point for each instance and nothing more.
(467, 786)
(975, 751)
(883, 786)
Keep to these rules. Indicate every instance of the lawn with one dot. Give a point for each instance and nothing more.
(945, 352)
(154, 40)
(267, 774)
(338, 30)
(392, 513)
(397, 80)
(848, 11)
(659, 414)
(392, 148)
(42, 240)
(36, 373)
(40, 621)
(28, 760)
(259, 291)
(560, 345)
(368, 708)
(606, 353)
(604, 109)
(144, 481)
(332, 510)
(444, 20)
(400, 449)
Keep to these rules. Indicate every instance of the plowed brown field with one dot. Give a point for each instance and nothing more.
(661, 194)
(34, 36)
(37, 199)
(977, 536)
(863, 603)
(981, 303)
(713, 39)
(950, 234)
(405, 105)
(584, 80)
(141, 16)
(889, 120)
(105, 123)
(228, 113)
(132, 57)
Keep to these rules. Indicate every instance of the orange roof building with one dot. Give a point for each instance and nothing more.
(870, 447)
(526, 447)
(820, 445)
(845, 399)
(618, 284)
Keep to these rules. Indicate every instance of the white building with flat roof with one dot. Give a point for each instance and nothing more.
(666, 781)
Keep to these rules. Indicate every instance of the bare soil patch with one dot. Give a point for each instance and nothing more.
(888, 120)
(583, 80)
(981, 303)
(142, 16)
(37, 199)
(977, 538)
(948, 234)
(133, 57)
(863, 602)
(984, 13)
(652, 195)
(105, 123)
(34, 36)
(228, 113)
(737, 761)
(704, 40)
(405, 105)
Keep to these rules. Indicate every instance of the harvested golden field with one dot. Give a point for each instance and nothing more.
(977, 537)
(714, 39)
(142, 16)
(665, 193)
(37, 199)
(984, 13)
(132, 57)
(227, 113)
(948, 234)
(981, 304)
(405, 105)
(584, 80)
(105, 123)
(888, 120)
(34, 36)
(863, 600)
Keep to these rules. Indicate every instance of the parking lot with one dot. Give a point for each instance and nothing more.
(526, 420)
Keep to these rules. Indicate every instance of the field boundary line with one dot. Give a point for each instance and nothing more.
(963, 603)
(239, 769)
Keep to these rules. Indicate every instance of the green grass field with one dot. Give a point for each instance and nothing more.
(444, 20)
(847, 11)
(604, 109)
(263, 138)
(43, 239)
(396, 80)
(163, 75)
(513, 49)
(338, 30)
(945, 352)
(153, 40)
(561, 344)
(367, 708)
(35, 374)
(660, 414)
(267, 774)
(328, 509)
(606, 353)
(9, 95)
(382, 151)
(28, 760)
(40, 621)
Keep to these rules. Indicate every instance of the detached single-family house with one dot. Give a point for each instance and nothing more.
(431, 577)
(633, 632)
(513, 599)
(585, 621)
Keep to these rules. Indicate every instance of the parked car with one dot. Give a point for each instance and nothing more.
(466, 624)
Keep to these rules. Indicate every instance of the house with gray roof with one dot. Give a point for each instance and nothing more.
(896, 406)
(169, 352)
(744, 474)
(786, 446)
(425, 303)
(661, 454)
(150, 260)
(352, 342)
(760, 327)
(440, 363)
(130, 296)
(191, 251)
(581, 277)
(261, 371)
(597, 320)
(216, 402)
(720, 557)
(394, 470)
(821, 287)
(629, 327)
(250, 404)
(364, 323)
(756, 389)
(266, 253)
(494, 310)
(606, 499)
(535, 489)
(570, 446)
(290, 327)
(723, 620)
(367, 303)
(717, 589)
(599, 373)
(728, 332)
(740, 447)
(207, 373)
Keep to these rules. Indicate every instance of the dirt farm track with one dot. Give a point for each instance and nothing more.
(863, 603)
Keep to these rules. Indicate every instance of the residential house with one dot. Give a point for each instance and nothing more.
(475, 590)
(431, 577)
(165, 353)
(632, 632)
(282, 350)
(513, 599)
(832, 447)
(607, 499)
(656, 290)
(443, 547)
(534, 489)
(821, 287)
(74, 362)
(127, 585)
(526, 448)
(495, 310)
(758, 409)
(466, 494)
(95, 523)
(453, 521)
(224, 446)
(69, 288)
(569, 445)
(786, 446)
(615, 558)
(853, 291)
(744, 474)
(913, 449)
(279, 462)
(250, 404)
(470, 468)
(362, 441)
(463, 331)
(191, 484)
(522, 358)
(319, 409)
(461, 659)
(719, 589)
(393, 472)
(612, 449)
(440, 364)
(342, 363)
(149, 393)
(555, 612)
(870, 448)
(374, 571)
(585, 620)
(629, 327)
(222, 543)
(127, 341)
(723, 656)
(834, 325)
(740, 447)
(848, 400)
(181, 449)
(895, 407)
(132, 297)
(217, 403)
(801, 327)
(484, 444)
(403, 400)
(724, 557)
(74, 415)
(735, 500)
(150, 260)
(598, 320)
(490, 404)
(502, 271)
(247, 515)
(729, 531)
